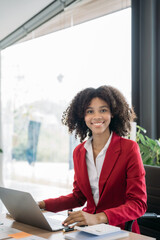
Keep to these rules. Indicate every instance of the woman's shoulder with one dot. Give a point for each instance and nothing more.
(128, 141)
(125, 142)
(79, 147)
(79, 151)
(128, 144)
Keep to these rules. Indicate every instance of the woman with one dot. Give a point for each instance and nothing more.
(109, 173)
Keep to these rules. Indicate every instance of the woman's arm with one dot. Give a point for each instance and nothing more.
(135, 194)
(72, 200)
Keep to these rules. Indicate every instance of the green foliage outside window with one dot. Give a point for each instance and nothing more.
(149, 148)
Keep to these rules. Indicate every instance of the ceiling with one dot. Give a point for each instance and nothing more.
(20, 18)
(14, 13)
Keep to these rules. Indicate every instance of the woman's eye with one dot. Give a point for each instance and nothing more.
(89, 111)
(104, 110)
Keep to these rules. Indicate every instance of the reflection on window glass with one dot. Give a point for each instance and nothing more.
(39, 79)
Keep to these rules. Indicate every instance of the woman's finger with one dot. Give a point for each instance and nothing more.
(74, 218)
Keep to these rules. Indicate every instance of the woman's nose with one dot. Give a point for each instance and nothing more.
(97, 115)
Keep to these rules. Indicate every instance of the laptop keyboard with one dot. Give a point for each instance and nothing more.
(55, 224)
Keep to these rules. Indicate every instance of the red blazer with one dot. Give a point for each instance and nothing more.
(122, 188)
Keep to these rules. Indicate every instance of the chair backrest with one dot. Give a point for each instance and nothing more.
(151, 227)
(153, 188)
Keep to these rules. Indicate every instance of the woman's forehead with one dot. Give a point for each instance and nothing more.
(98, 101)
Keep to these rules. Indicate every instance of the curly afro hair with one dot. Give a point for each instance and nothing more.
(122, 114)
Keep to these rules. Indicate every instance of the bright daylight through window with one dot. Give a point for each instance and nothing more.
(41, 76)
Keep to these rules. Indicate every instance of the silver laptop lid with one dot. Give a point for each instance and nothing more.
(23, 208)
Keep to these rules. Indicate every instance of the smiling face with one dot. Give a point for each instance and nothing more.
(98, 117)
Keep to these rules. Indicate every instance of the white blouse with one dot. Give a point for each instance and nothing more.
(94, 170)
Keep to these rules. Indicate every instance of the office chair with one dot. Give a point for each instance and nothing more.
(149, 223)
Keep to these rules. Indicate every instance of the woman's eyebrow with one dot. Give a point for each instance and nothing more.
(105, 106)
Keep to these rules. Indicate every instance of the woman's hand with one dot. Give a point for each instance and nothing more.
(41, 204)
(81, 218)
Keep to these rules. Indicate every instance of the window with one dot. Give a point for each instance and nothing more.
(39, 79)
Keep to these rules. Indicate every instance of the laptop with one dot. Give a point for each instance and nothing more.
(23, 208)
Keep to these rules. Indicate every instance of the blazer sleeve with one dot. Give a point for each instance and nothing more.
(136, 197)
(72, 200)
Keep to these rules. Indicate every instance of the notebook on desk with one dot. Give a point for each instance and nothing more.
(23, 208)
(100, 231)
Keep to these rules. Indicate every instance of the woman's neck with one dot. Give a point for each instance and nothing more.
(98, 144)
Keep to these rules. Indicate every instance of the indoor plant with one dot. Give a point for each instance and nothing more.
(150, 152)
(149, 148)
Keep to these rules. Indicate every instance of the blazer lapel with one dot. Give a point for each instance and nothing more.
(84, 175)
(111, 157)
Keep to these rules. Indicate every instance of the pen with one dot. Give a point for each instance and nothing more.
(70, 210)
(68, 228)
(6, 238)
